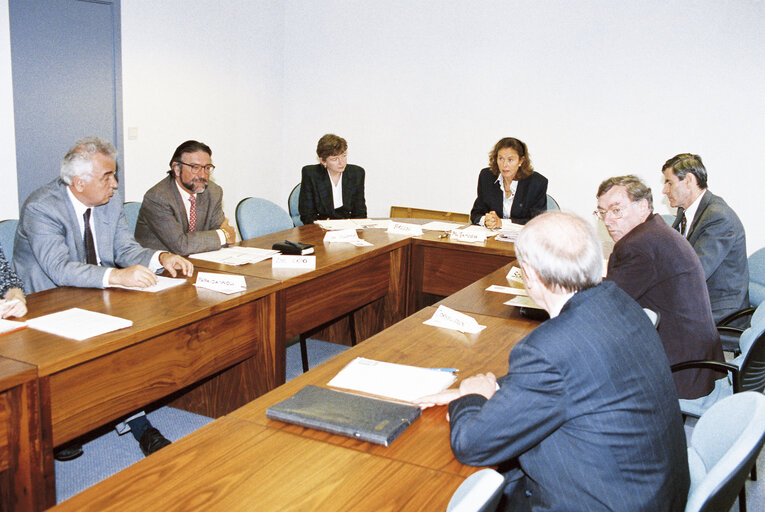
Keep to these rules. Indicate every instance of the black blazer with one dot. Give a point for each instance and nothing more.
(530, 198)
(316, 194)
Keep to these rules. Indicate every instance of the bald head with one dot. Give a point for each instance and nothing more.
(563, 249)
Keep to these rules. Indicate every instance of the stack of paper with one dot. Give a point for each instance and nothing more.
(163, 283)
(398, 381)
(78, 324)
(437, 225)
(7, 326)
(348, 236)
(235, 255)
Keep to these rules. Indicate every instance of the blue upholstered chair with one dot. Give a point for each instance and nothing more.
(7, 235)
(552, 204)
(293, 203)
(480, 492)
(757, 277)
(723, 449)
(256, 216)
(669, 219)
(131, 210)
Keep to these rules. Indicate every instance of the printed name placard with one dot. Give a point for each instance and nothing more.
(293, 261)
(402, 228)
(341, 235)
(224, 283)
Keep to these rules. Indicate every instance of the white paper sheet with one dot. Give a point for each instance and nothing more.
(398, 381)
(163, 284)
(523, 302)
(336, 224)
(10, 325)
(78, 324)
(510, 226)
(235, 255)
(450, 319)
(506, 289)
(437, 225)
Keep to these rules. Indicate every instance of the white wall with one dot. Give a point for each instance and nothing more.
(9, 194)
(423, 89)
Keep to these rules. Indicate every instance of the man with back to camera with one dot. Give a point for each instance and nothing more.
(657, 267)
(587, 417)
(72, 232)
(183, 213)
(713, 229)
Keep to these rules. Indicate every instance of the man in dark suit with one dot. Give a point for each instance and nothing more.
(657, 267)
(587, 417)
(713, 229)
(72, 232)
(333, 188)
(183, 213)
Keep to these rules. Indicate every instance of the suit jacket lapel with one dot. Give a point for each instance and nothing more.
(73, 221)
(520, 197)
(324, 186)
(705, 200)
(177, 199)
(104, 235)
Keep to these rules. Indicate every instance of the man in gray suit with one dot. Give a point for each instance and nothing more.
(713, 229)
(183, 213)
(72, 232)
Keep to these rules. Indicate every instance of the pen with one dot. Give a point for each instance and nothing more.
(452, 370)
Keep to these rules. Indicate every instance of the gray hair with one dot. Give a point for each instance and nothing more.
(78, 160)
(564, 250)
(636, 189)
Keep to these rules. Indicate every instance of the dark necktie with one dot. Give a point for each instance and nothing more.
(680, 221)
(193, 213)
(90, 246)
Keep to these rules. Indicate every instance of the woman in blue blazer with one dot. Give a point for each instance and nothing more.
(509, 188)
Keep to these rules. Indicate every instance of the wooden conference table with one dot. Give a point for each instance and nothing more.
(212, 352)
(245, 461)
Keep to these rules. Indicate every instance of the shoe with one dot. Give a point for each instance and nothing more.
(152, 440)
(69, 452)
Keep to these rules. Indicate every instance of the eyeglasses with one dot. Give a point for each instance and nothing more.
(196, 168)
(335, 159)
(616, 212)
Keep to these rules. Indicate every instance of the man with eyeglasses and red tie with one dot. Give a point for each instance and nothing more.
(658, 268)
(183, 213)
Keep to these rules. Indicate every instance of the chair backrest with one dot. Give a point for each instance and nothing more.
(256, 216)
(480, 492)
(757, 277)
(552, 204)
(723, 448)
(7, 235)
(293, 203)
(669, 219)
(751, 362)
(131, 210)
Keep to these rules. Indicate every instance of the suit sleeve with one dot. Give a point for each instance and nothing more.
(359, 206)
(47, 237)
(632, 270)
(165, 224)
(480, 206)
(527, 408)
(714, 243)
(307, 201)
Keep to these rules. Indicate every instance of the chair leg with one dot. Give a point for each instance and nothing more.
(742, 499)
(352, 327)
(754, 472)
(304, 352)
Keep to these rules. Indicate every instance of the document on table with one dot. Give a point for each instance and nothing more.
(163, 284)
(398, 381)
(523, 302)
(235, 255)
(506, 289)
(437, 225)
(78, 324)
(510, 226)
(7, 326)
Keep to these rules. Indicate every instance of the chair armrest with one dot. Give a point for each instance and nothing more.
(729, 337)
(735, 316)
(711, 365)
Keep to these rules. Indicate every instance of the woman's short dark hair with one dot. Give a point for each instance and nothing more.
(330, 145)
(525, 170)
(190, 146)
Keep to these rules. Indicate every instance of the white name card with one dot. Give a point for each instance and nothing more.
(341, 235)
(462, 235)
(403, 228)
(294, 261)
(224, 283)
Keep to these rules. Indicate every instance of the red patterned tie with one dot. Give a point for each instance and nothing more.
(193, 213)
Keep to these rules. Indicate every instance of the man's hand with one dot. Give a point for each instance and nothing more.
(442, 398)
(171, 262)
(482, 384)
(229, 231)
(136, 275)
(17, 309)
(492, 221)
